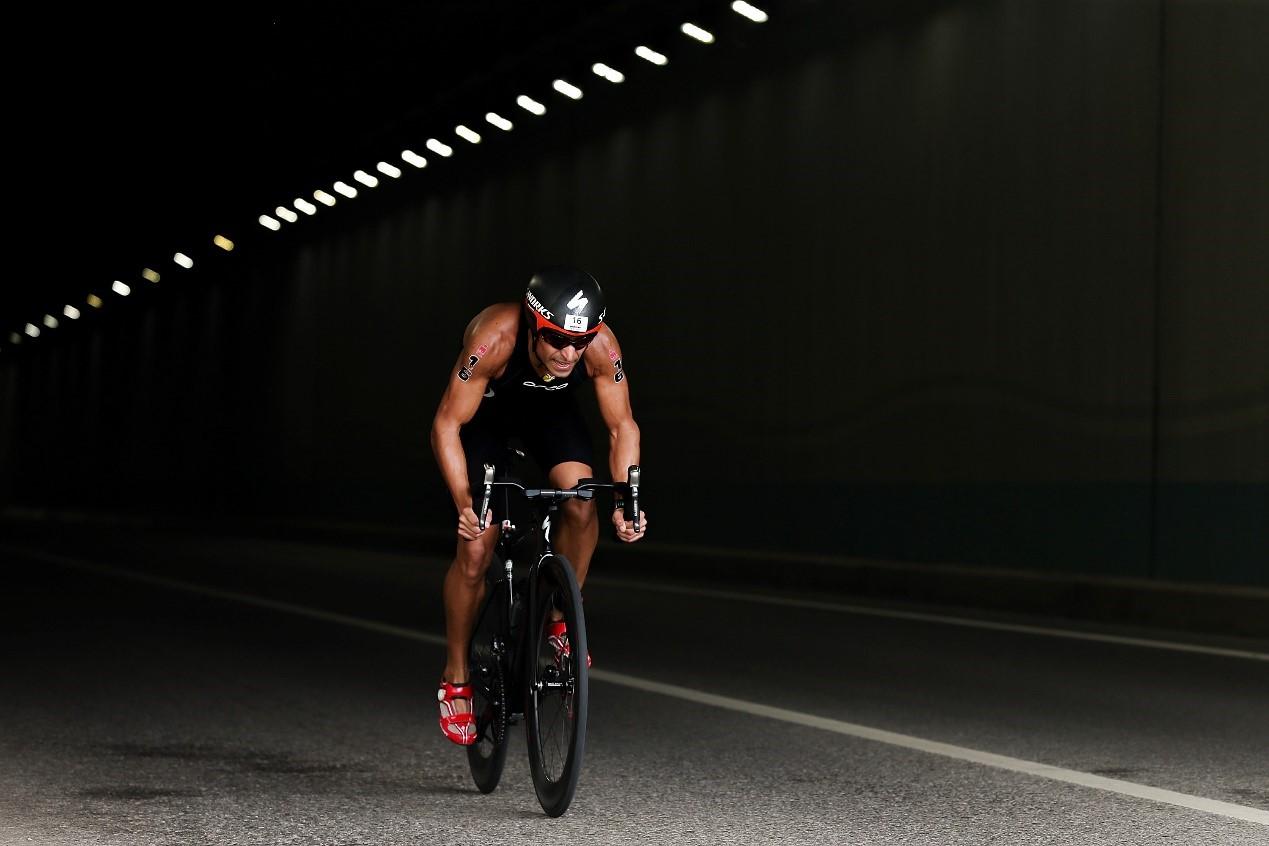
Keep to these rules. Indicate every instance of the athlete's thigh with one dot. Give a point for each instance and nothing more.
(557, 436)
(567, 473)
(485, 442)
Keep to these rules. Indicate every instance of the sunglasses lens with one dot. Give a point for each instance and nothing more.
(560, 341)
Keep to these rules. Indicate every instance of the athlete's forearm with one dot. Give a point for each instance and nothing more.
(451, 458)
(623, 449)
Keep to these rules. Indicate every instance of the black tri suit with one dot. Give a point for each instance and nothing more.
(542, 414)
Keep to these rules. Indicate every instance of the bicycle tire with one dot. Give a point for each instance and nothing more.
(555, 695)
(488, 755)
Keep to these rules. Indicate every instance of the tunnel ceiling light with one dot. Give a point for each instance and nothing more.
(150, 275)
(650, 55)
(499, 121)
(71, 312)
(32, 330)
(567, 89)
(530, 105)
(691, 30)
(50, 321)
(440, 147)
(120, 288)
(610, 74)
(15, 338)
(754, 14)
(525, 102)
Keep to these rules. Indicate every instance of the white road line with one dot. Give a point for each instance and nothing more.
(968, 622)
(960, 753)
(933, 747)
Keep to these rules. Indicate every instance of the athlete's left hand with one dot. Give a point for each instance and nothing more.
(625, 528)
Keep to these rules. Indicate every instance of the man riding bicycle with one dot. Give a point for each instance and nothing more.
(518, 375)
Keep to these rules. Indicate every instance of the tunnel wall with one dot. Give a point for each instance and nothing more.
(976, 283)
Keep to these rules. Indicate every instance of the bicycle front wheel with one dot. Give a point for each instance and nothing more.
(556, 686)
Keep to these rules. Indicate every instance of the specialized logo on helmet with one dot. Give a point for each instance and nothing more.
(577, 322)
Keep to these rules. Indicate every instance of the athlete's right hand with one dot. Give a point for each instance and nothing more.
(469, 524)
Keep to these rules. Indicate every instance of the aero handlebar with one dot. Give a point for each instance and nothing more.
(584, 490)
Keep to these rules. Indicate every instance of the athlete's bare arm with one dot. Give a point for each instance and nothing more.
(607, 369)
(488, 343)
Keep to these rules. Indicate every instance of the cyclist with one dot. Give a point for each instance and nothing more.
(518, 374)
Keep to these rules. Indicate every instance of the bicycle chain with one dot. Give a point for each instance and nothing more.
(499, 705)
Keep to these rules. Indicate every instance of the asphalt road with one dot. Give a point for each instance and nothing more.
(155, 712)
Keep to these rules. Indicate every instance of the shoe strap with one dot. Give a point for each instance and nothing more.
(448, 692)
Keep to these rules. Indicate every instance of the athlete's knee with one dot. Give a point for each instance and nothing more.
(472, 560)
(578, 513)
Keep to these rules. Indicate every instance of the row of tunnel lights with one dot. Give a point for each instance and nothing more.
(409, 156)
(469, 135)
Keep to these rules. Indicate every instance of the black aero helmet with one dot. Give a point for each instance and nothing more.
(565, 300)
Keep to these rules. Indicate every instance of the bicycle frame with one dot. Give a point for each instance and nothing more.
(543, 506)
(516, 669)
(507, 541)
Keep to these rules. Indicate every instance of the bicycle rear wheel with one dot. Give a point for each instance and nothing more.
(487, 756)
(556, 692)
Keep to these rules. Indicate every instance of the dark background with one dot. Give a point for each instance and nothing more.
(958, 282)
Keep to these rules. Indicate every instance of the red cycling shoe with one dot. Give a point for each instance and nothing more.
(557, 636)
(457, 726)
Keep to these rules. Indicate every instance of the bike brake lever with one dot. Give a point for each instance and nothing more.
(484, 506)
(632, 476)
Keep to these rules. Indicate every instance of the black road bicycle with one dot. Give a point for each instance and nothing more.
(513, 666)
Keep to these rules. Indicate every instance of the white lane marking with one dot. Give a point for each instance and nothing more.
(960, 753)
(934, 747)
(967, 622)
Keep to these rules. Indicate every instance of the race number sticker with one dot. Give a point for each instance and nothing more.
(620, 374)
(464, 372)
(576, 322)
